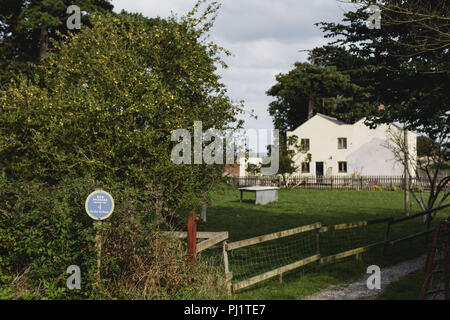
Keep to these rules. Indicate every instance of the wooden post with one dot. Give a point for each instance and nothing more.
(446, 262)
(228, 274)
(90, 201)
(192, 238)
(204, 203)
(429, 217)
(203, 214)
(406, 169)
(318, 247)
(98, 250)
(386, 236)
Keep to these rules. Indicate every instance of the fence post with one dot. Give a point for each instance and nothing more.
(318, 246)
(386, 236)
(98, 249)
(228, 274)
(446, 250)
(192, 238)
(429, 217)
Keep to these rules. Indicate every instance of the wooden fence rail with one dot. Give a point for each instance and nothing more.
(317, 257)
(353, 225)
(212, 239)
(420, 214)
(272, 236)
(349, 253)
(275, 272)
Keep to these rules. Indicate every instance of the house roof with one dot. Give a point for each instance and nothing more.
(336, 121)
(340, 123)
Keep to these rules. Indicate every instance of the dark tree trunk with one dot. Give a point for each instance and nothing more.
(205, 196)
(311, 105)
(406, 170)
(311, 92)
(44, 42)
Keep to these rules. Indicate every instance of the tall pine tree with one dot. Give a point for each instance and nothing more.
(26, 27)
(329, 86)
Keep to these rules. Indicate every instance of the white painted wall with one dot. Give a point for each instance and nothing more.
(366, 152)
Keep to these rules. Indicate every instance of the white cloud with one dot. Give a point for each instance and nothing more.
(153, 8)
(264, 37)
(285, 20)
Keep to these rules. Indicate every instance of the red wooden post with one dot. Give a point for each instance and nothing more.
(446, 262)
(192, 237)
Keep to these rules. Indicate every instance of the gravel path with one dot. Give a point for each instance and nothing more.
(359, 291)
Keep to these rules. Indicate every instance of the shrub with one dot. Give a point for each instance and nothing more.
(44, 229)
(394, 188)
(106, 101)
(378, 188)
(416, 188)
(102, 106)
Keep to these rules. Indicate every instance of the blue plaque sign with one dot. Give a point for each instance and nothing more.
(99, 205)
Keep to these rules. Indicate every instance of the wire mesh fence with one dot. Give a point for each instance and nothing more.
(249, 261)
(253, 260)
(337, 241)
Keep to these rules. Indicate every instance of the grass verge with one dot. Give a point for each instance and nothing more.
(301, 207)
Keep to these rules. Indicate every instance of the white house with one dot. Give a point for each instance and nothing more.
(335, 148)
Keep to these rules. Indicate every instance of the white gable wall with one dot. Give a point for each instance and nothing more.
(366, 152)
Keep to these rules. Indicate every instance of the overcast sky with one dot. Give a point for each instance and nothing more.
(264, 37)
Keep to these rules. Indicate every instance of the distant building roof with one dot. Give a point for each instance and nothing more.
(336, 121)
(340, 123)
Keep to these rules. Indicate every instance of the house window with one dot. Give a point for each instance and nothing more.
(342, 143)
(305, 167)
(342, 167)
(304, 143)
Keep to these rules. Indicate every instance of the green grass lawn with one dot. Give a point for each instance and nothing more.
(407, 288)
(302, 207)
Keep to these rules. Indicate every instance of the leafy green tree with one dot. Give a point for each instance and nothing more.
(410, 61)
(253, 169)
(426, 21)
(26, 28)
(99, 113)
(425, 146)
(288, 148)
(411, 83)
(111, 97)
(332, 92)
